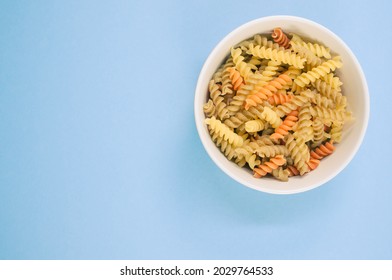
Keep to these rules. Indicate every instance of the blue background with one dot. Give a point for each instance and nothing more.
(99, 154)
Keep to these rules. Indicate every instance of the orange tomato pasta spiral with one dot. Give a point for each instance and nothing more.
(293, 171)
(280, 38)
(267, 91)
(313, 163)
(323, 150)
(236, 80)
(287, 125)
(267, 167)
(280, 98)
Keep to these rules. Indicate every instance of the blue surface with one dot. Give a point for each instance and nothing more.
(99, 154)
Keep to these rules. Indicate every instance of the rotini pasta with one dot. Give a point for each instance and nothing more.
(280, 38)
(276, 105)
(254, 126)
(323, 150)
(299, 152)
(280, 98)
(267, 91)
(267, 167)
(236, 79)
(239, 63)
(311, 58)
(280, 56)
(271, 117)
(272, 150)
(317, 49)
(217, 99)
(281, 174)
(287, 125)
(304, 128)
(317, 72)
(224, 131)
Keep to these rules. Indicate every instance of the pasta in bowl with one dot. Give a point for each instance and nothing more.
(281, 98)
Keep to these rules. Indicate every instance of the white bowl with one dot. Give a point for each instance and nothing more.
(354, 87)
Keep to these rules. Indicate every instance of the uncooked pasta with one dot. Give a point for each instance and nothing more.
(276, 105)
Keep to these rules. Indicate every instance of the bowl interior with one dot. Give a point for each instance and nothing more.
(354, 88)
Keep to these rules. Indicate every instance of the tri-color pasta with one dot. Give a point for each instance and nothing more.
(276, 105)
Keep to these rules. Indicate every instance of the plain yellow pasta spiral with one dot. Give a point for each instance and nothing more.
(317, 49)
(227, 87)
(318, 130)
(310, 57)
(224, 131)
(328, 114)
(254, 125)
(280, 56)
(209, 108)
(218, 100)
(239, 63)
(247, 152)
(304, 128)
(272, 150)
(321, 100)
(336, 131)
(317, 72)
(243, 116)
(327, 90)
(281, 174)
(226, 148)
(270, 116)
(294, 103)
(299, 152)
(333, 80)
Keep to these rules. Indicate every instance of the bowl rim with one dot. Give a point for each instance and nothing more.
(199, 118)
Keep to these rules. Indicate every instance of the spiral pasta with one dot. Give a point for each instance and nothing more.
(328, 114)
(242, 67)
(209, 108)
(304, 128)
(332, 80)
(236, 79)
(254, 125)
(318, 129)
(272, 150)
(294, 103)
(271, 69)
(288, 123)
(227, 86)
(267, 91)
(243, 116)
(272, 117)
(313, 163)
(280, 56)
(280, 38)
(323, 150)
(247, 152)
(281, 174)
(310, 57)
(226, 148)
(317, 72)
(276, 106)
(218, 100)
(326, 90)
(336, 131)
(318, 49)
(267, 167)
(280, 98)
(299, 152)
(224, 131)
